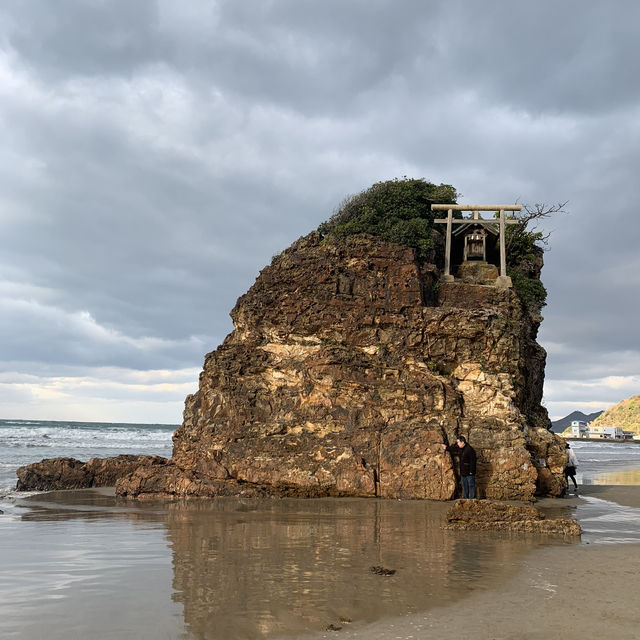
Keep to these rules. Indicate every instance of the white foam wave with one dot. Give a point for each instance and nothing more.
(51, 437)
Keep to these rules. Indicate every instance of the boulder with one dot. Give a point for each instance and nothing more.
(477, 273)
(53, 474)
(68, 473)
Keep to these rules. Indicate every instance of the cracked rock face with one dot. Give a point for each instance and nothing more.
(348, 367)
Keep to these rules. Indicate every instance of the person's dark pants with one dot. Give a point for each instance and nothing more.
(570, 472)
(468, 487)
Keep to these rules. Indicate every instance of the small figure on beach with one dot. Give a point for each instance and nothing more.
(467, 465)
(570, 469)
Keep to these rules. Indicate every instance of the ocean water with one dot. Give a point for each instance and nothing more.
(25, 441)
(613, 463)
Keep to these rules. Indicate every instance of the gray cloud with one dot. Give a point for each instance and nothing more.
(547, 57)
(156, 155)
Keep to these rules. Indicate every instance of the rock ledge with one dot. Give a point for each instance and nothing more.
(486, 515)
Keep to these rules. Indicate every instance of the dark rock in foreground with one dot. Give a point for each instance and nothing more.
(485, 515)
(68, 473)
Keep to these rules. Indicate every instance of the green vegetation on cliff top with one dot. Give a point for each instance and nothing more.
(625, 414)
(399, 211)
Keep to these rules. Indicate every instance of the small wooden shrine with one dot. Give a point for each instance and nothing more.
(475, 231)
(475, 244)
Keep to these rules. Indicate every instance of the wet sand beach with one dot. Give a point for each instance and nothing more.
(580, 592)
(588, 590)
(83, 564)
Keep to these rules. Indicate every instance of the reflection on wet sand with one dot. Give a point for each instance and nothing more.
(265, 568)
(258, 569)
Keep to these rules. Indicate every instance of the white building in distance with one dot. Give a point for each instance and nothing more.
(580, 429)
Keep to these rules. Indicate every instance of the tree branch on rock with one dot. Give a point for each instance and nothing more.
(525, 244)
(532, 214)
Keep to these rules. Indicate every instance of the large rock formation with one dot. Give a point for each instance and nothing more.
(349, 365)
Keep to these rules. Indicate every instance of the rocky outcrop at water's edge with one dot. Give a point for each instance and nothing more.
(350, 363)
(69, 473)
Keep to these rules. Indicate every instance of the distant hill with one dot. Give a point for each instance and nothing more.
(560, 425)
(625, 414)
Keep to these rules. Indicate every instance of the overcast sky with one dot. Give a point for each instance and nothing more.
(156, 154)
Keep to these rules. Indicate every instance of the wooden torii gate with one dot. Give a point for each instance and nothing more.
(501, 222)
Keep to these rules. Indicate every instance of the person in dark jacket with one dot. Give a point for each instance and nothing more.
(467, 465)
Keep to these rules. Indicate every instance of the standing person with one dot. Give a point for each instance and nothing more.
(570, 469)
(467, 465)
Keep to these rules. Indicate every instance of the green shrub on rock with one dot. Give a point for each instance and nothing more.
(397, 210)
(531, 291)
(524, 263)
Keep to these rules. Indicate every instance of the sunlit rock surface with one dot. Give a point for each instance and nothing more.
(349, 365)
